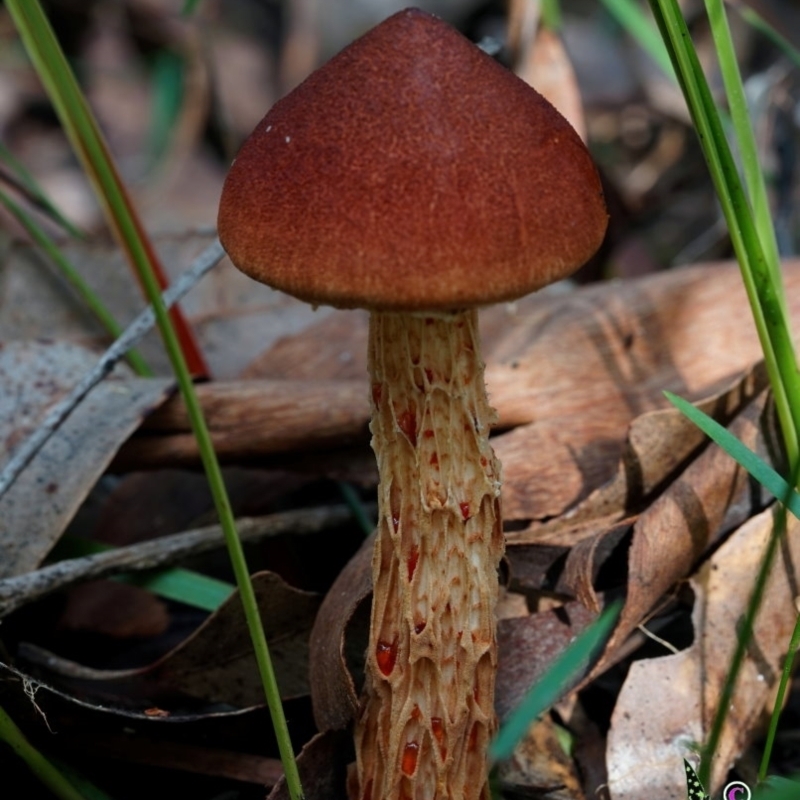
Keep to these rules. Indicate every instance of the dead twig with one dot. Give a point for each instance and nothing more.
(163, 552)
(133, 333)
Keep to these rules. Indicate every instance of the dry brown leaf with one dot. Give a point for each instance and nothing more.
(332, 348)
(36, 509)
(527, 646)
(667, 704)
(658, 443)
(251, 418)
(712, 496)
(540, 767)
(114, 609)
(150, 751)
(334, 692)
(578, 368)
(543, 63)
(214, 665)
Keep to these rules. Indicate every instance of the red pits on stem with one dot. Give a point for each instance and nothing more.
(472, 742)
(413, 560)
(429, 375)
(434, 460)
(377, 393)
(438, 733)
(419, 627)
(386, 656)
(410, 756)
(407, 422)
(465, 511)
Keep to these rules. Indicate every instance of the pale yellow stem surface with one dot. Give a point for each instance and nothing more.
(427, 714)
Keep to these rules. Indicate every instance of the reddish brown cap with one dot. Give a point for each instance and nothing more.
(411, 172)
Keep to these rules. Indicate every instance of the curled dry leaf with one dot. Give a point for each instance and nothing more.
(251, 418)
(37, 507)
(333, 690)
(668, 703)
(658, 444)
(214, 665)
(712, 496)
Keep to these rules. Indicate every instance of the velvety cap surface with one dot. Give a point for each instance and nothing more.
(411, 172)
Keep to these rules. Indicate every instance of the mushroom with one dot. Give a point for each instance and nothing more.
(415, 177)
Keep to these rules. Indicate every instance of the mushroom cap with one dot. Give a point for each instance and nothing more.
(411, 172)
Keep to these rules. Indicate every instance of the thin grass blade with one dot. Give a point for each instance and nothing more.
(71, 274)
(25, 182)
(745, 141)
(630, 16)
(44, 770)
(774, 483)
(753, 18)
(771, 323)
(90, 147)
(66, 96)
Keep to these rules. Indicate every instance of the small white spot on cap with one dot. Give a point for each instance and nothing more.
(288, 139)
(269, 128)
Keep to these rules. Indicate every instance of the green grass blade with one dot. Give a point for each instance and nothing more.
(189, 7)
(771, 323)
(777, 708)
(551, 14)
(789, 499)
(745, 140)
(175, 583)
(67, 269)
(89, 146)
(630, 16)
(44, 770)
(82, 129)
(746, 458)
(168, 81)
(754, 19)
(549, 687)
(26, 183)
(360, 514)
(184, 586)
(777, 788)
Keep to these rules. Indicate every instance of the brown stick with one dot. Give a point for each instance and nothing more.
(158, 553)
(249, 419)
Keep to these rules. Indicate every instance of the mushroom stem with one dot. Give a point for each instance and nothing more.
(428, 710)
